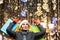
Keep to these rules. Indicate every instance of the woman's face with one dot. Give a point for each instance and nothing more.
(25, 26)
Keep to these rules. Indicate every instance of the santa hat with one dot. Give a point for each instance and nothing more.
(24, 21)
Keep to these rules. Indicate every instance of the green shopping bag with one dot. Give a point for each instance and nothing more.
(35, 29)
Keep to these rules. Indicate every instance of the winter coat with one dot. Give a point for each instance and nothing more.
(25, 35)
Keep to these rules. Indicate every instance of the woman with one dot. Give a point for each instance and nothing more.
(25, 34)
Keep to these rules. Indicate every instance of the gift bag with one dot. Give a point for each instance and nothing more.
(14, 27)
(17, 29)
(5, 26)
(35, 29)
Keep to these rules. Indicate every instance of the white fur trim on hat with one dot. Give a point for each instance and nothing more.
(24, 21)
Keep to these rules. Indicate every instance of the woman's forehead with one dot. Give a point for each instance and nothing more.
(25, 23)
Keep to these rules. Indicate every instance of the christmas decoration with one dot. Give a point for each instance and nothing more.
(1, 1)
(23, 13)
(45, 1)
(24, 0)
(38, 12)
(45, 7)
(54, 20)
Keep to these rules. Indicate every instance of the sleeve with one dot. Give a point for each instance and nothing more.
(9, 31)
(41, 33)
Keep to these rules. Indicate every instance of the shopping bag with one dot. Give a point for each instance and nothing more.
(4, 27)
(35, 29)
(17, 28)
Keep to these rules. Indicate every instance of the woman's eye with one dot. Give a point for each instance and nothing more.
(23, 24)
(26, 24)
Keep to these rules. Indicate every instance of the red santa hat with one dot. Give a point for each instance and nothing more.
(24, 21)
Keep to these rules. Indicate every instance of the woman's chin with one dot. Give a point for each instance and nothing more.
(24, 29)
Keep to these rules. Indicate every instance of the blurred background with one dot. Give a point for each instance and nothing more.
(46, 11)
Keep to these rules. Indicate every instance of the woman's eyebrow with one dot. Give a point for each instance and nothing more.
(22, 24)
